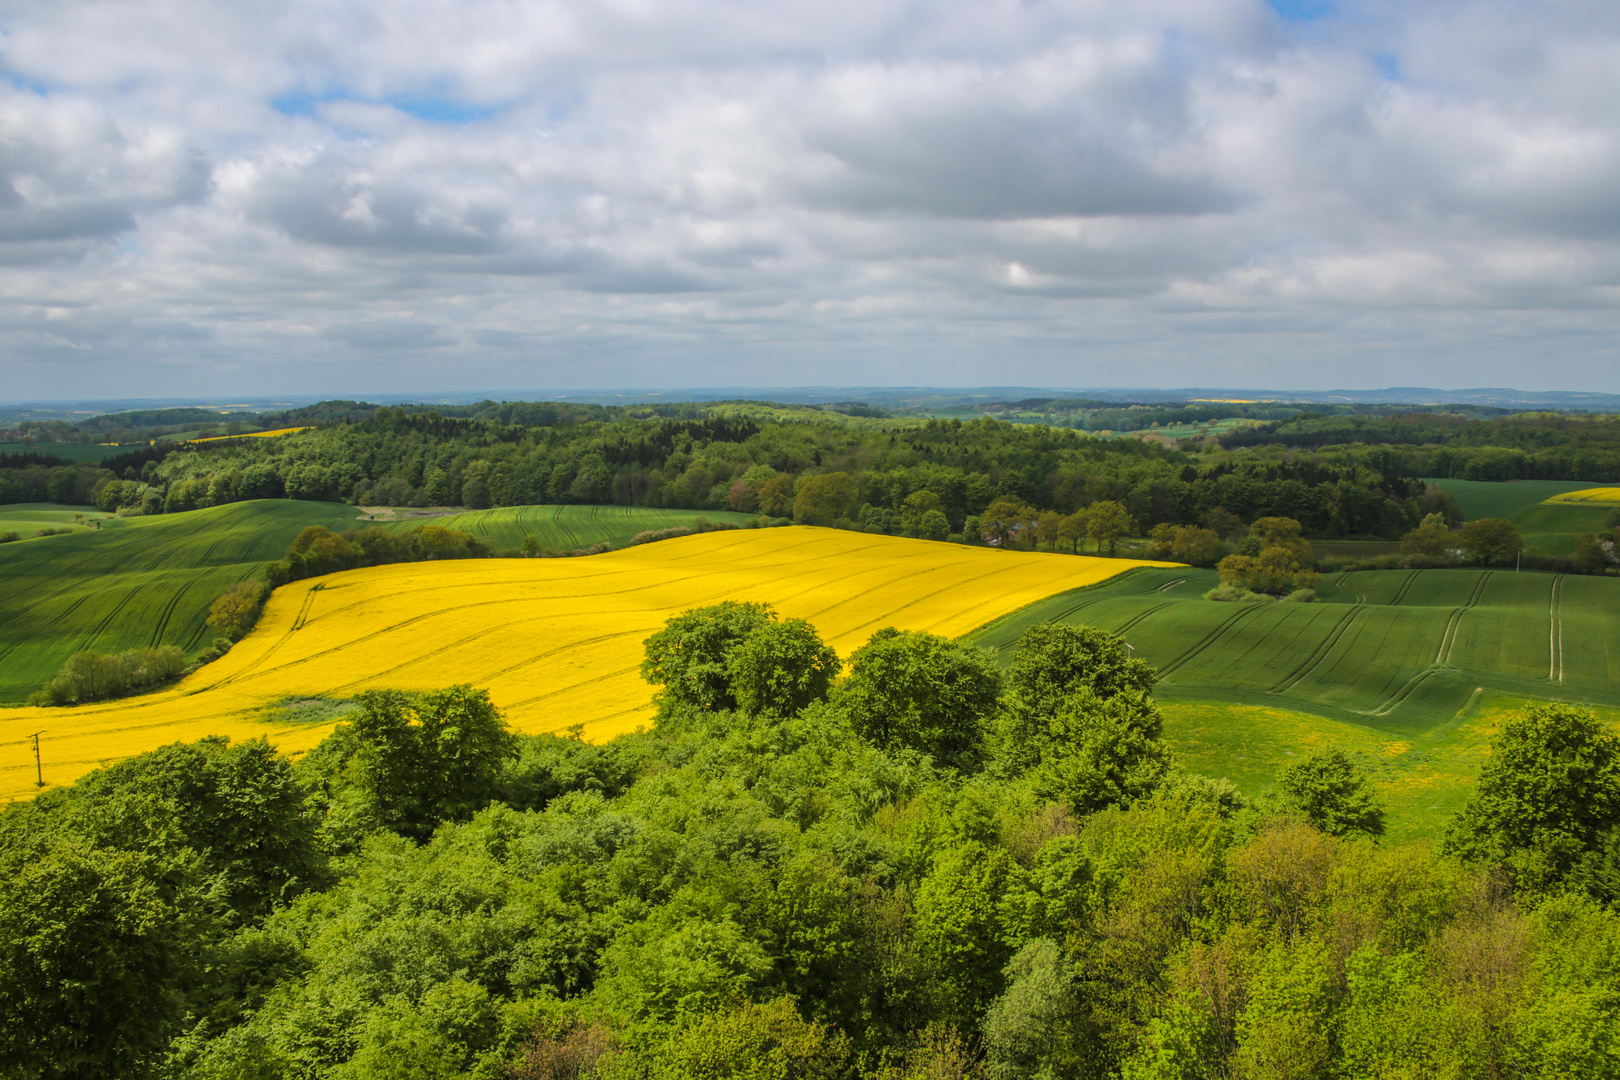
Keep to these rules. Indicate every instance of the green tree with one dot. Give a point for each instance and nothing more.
(934, 526)
(776, 496)
(429, 758)
(1030, 1032)
(750, 1041)
(1074, 529)
(95, 958)
(1490, 540)
(1282, 532)
(1432, 539)
(916, 505)
(959, 928)
(917, 690)
(1332, 794)
(1547, 796)
(1096, 753)
(1592, 555)
(1108, 522)
(688, 658)
(236, 610)
(1006, 518)
(780, 667)
(1056, 659)
(823, 499)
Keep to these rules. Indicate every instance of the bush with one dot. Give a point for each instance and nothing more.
(1237, 594)
(89, 676)
(1301, 596)
(10, 537)
(237, 609)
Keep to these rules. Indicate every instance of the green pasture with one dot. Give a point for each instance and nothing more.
(29, 518)
(1551, 527)
(565, 528)
(135, 582)
(1405, 668)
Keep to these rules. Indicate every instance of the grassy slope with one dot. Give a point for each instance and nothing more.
(148, 581)
(1552, 527)
(29, 518)
(1411, 670)
(136, 582)
(566, 527)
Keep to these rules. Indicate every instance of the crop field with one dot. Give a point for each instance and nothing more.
(1609, 496)
(1394, 650)
(29, 518)
(566, 528)
(557, 641)
(134, 582)
(1542, 510)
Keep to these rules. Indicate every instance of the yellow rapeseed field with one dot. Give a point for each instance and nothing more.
(556, 641)
(1588, 495)
(255, 434)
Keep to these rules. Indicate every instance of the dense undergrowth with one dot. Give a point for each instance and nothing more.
(928, 869)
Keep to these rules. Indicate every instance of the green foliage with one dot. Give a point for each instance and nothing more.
(89, 676)
(1332, 794)
(1490, 540)
(922, 692)
(1546, 797)
(426, 758)
(237, 609)
(749, 1041)
(1099, 752)
(689, 657)
(780, 668)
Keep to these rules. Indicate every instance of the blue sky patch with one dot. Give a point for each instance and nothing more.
(1302, 10)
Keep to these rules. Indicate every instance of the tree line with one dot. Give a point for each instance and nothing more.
(908, 863)
(850, 472)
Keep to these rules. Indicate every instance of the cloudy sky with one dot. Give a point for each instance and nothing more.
(336, 196)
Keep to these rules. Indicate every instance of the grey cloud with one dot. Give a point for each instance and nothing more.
(893, 191)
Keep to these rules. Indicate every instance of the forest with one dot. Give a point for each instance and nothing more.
(737, 461)
(930, 868)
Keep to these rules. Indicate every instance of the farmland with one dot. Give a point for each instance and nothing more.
(1537, 509)
(1394, 650)
(556, 641)
(135, 582)
(1608, 496)
(149, 580)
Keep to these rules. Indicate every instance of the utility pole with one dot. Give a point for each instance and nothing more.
(39, 772)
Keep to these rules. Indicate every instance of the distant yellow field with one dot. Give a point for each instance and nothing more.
(556, 641)
(254, 434)
(1588, 495)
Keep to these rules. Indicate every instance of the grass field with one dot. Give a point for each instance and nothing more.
(135, 582)
(557, 641)
(29, 518)
(566, 528)
(1549, 526)
(1399, 651)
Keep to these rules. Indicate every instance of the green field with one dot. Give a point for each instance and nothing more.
(135, 582)
(1398, 650)
(566, 528)
(1551, 527)
(29, 518)
(1409, 670)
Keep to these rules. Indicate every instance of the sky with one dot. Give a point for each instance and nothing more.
(342, 196)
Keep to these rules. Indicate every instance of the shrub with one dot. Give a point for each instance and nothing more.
(90, 676)
(237, 609)
(1237, 594)
(1301, 596)
(10, 537)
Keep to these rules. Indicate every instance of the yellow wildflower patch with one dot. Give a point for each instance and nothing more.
(557, 641)
(1588, 495)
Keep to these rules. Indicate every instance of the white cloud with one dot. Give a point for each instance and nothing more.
(310, 195)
